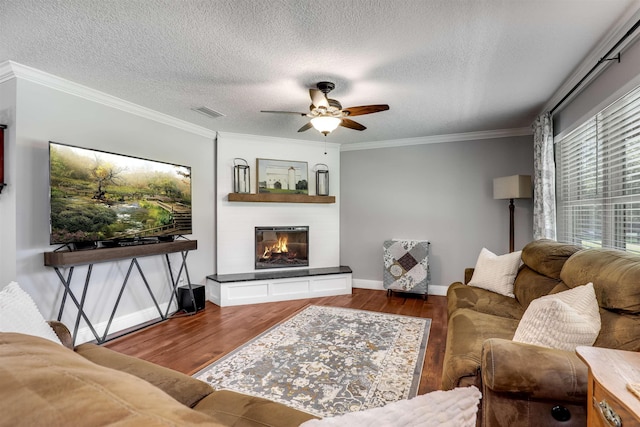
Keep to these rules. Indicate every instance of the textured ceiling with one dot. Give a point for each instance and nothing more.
(444, 67)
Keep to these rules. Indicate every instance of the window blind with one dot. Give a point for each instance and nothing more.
(598, 179)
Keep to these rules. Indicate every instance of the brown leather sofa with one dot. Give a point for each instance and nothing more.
(527, 385)
(45, 384)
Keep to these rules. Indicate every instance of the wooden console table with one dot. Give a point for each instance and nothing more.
(610, 403)
(60, 260)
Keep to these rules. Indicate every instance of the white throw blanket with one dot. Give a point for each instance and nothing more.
(452, 408)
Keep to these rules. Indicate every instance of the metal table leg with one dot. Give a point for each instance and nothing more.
(174, 282)
(66, 282)
(79, 305)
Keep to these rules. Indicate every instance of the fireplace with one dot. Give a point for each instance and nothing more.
(280, 247)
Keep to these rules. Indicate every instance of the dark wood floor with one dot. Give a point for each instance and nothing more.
(189, 343)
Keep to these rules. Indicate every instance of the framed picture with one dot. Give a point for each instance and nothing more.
(282, 176)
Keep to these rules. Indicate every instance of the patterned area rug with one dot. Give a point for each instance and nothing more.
(328, 361)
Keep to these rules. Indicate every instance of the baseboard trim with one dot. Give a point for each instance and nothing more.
(120, 323)
(438, 290)
(377, 285)
(368, 284)
(139, 317)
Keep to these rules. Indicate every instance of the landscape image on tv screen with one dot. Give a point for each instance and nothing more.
(98, 196)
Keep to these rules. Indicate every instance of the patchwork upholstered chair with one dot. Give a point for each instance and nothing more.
(406, 266)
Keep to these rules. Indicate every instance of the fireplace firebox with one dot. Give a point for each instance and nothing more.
(280, 247)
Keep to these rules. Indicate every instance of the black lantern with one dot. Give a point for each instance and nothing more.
(322, 179)
(241, 176)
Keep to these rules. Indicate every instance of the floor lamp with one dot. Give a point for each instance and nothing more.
(512, 187)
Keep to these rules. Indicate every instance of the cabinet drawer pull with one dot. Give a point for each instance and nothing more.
(607, 413)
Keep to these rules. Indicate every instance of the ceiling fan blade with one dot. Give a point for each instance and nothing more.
(347, 123)
(365, 109)
(318, 99)
(284, 112)
(305, 127)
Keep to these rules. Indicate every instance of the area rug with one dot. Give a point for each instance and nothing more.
(328, 361)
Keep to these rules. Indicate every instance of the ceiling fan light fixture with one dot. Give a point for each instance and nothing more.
(325, 124)
(326, 114)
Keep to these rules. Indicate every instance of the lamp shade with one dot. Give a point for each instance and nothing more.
(512, 187)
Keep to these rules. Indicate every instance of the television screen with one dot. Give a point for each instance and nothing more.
(96, 196)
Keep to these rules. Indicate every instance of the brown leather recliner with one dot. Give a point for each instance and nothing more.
(527, 385)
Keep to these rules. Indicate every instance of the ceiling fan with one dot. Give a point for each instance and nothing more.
(327, 114)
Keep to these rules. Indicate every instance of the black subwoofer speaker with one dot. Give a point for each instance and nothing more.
(184, 297)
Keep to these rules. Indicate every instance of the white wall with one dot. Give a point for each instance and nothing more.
(236, 220)
(437, 192)
(8, 196)
(44, 114)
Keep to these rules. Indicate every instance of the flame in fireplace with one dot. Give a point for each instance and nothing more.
(277, 248)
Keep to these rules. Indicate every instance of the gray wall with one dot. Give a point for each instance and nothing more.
(37, 114)
(611, 84)
(439, 192)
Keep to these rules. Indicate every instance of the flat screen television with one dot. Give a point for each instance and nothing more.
(101, 198)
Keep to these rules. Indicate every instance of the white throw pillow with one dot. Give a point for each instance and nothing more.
(452, 408)
(562, 321)
(496, 272)
(18, 313)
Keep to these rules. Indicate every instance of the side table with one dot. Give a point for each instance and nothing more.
(610, 403)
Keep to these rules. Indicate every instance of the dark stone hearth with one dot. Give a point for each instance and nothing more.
(279, 274)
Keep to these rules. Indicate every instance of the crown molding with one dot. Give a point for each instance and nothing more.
(437, 139)
(275, 139)
(6, 71)
(10, 70)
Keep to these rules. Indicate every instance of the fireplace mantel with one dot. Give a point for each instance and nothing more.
(280, 198)
(237, 214)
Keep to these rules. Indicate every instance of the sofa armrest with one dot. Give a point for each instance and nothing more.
(468, 274)
(230, 408)
(62, 332)
(183, 388)
(533, 371)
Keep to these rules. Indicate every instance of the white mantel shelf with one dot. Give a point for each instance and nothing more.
(283, 285)
(280, 198)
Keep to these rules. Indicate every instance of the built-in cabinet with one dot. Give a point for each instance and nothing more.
(258, 287)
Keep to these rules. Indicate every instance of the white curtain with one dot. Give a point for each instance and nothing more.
(544, 179)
